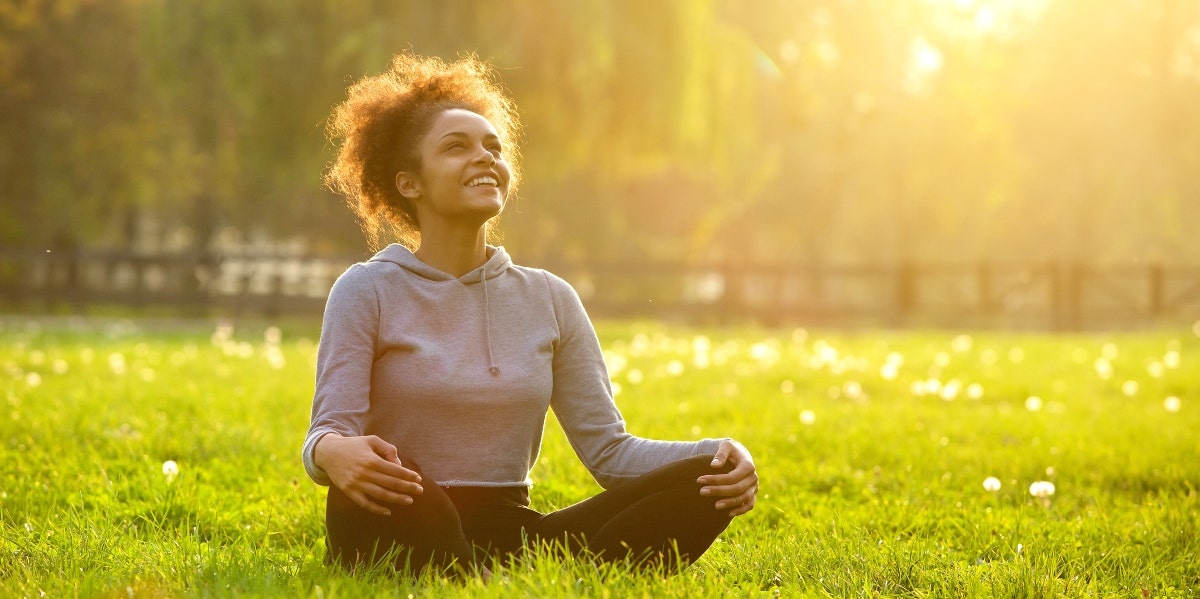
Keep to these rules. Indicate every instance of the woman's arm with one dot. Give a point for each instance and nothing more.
(582, 399)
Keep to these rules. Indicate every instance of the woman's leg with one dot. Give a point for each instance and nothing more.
(426, 533)
(658, 519)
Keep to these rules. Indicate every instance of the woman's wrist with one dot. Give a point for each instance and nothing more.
(316, 451)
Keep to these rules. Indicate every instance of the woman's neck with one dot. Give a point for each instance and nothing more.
(455, 255)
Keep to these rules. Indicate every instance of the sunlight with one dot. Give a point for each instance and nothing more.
(974, 18)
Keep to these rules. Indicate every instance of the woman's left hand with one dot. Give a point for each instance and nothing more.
(738, 488)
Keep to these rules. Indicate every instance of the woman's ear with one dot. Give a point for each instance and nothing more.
(408, 185)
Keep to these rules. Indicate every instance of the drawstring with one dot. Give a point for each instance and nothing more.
(487, 325)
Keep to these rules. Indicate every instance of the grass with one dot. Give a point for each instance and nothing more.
(872, 473)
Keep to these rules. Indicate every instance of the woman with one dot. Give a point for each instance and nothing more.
(437, 366)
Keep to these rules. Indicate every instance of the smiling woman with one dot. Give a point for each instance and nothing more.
(439, 351)
(379, 127)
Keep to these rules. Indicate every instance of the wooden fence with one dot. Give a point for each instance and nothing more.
(1045, 296)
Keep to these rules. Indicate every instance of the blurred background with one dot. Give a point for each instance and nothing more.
(961, 162)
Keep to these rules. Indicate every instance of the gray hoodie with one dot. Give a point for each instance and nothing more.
(458, 373)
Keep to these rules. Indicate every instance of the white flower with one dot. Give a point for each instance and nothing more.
(1171, 359)
(634, 376)
(889, 371)
(808, 417)
(1033, 403)
(170, 470)
(1172, 404)
(1041, 489)
(975, 391)
(991, 484)
(1129, 388)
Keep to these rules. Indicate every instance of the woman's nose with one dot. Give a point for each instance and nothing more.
(485, 156)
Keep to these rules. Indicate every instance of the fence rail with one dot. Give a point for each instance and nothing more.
(1049, 295)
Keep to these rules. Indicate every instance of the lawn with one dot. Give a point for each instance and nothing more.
(162, 459)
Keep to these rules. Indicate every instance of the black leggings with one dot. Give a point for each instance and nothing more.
(656, 520)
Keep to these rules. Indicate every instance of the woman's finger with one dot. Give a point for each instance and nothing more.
(732, 489)
(391, 483)
(361, 500)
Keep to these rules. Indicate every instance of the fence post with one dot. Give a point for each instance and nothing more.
(983, 271)
(1156, 289)
(905, 293)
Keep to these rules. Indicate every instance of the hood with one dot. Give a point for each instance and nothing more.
(497, 262)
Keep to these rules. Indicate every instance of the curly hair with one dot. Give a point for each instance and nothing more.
(380, 124)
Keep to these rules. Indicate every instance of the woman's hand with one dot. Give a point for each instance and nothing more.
(738, 488)
(368, 471)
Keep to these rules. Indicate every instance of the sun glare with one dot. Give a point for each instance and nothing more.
(977, 18)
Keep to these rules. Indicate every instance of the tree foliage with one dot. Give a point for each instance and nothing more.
(797, 130)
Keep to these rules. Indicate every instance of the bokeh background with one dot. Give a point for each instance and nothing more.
(809, 132)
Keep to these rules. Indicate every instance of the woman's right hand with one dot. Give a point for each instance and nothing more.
(368, 470)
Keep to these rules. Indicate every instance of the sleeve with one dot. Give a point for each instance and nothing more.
(344, 358)
(582, 401)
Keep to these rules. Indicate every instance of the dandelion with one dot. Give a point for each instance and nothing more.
(975, 391)
(1129, 388)
(272, 336)
(1042, 489)
(951, 389)
(116, 363)
(634, 376)
(1171, 359)
(222, 335)
(60, 366)
(33, 379)
(674, 368)
(1016, 355)
(1172, 404)
(852, 390)
(933, 386)
(807, 417)
(1156, 369)
(170, 470)
(1103, 368)
(991, 484)
(787, 387)
(1033, 403)
(962, 343)
(889, 371)
(942, 359)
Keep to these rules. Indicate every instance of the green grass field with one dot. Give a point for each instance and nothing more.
(873, 448)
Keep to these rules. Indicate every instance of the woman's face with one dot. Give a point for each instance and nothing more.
(463, 175)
